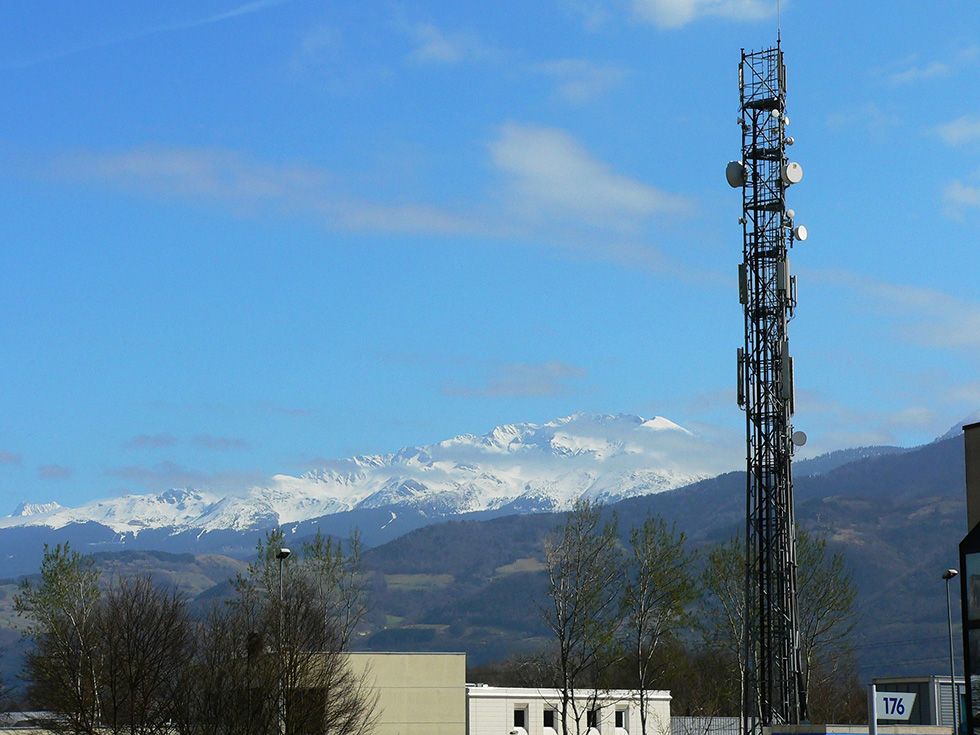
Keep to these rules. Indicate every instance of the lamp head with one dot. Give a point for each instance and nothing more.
(949, 574)
(282, 554)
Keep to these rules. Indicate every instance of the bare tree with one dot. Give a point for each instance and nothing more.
(338, 580)
(585, 580)
(230, 686)
(654, 603)
(271, 662)
(723, 607)
(66, 664)
(321, 689)
(827, 616)
(826, 597)
(145, 635)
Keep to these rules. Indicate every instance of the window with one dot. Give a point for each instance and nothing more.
(621, 718)
(520, 717)
(549, 718)
(592, 718)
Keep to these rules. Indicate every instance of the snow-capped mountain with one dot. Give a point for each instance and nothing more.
(513, 468)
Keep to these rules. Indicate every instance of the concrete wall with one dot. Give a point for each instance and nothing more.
(491, 712)
(418, 693)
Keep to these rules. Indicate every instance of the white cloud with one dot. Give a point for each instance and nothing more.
(917, 73)
(236, 12)
(523, 380)
(911, 70)
(250, 187)
(435, 45)
(551, 173)
(958, 196)
(679, 13)
(248, 8)
(579, 80)
(919, 315)
(550, 191)
(845, 426)
(869, 116)
(963, 130)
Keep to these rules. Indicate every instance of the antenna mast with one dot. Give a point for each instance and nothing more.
(773, 692)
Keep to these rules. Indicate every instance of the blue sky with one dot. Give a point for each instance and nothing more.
(242, 236)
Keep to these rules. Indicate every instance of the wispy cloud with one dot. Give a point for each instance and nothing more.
(274, 409)
(917, 73)
(54, 472)
(9, 457)
(549, 190)
(550, 173)
(580, 80)
(869, 116)
(913, 70)
(237, 12)
(248, 186)
(219, 443)
(523, 380)
(593, 13)
(150, 441)
(432, 44)
(922, 316)
(679, 13)
(964, 130)
(63, 53)
(852, 426)
(169, 474)
(958, 196)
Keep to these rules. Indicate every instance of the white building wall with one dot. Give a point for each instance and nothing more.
(491, 712)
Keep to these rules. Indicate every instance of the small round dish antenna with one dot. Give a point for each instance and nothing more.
(800, 233)
(792, 173)
(790, 213)
(799, 438)
(735, 173)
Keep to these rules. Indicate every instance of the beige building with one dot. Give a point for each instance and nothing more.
(518, 711)
(418, 693)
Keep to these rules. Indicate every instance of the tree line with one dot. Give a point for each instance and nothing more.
(642, 613)
(127, 656)
(647, 613)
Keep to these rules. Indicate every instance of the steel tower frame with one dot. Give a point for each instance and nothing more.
(772, 686)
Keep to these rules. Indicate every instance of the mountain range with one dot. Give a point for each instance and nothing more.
(444, 580)
(514, 468)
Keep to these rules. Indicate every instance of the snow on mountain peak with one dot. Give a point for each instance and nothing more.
(34, 509)
(521, 467)
(659, 423)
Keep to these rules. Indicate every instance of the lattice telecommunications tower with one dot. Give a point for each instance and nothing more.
(773, 692)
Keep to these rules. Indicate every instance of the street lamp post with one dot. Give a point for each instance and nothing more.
(948, 575)
(281, 555)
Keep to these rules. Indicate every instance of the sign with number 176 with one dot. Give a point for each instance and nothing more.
(894, 705)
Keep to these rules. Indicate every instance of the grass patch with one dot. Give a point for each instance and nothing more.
(417, 582)
(526, 564)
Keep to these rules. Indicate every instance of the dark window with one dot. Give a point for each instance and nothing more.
(620, 718)
(549, 718)
(519, 718)
(592, 718)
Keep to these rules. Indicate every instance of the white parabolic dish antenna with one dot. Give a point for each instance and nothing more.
(735, 173)
(799, 438)
(792, 173)
(800, 233)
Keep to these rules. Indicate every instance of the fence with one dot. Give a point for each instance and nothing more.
(705, 726)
